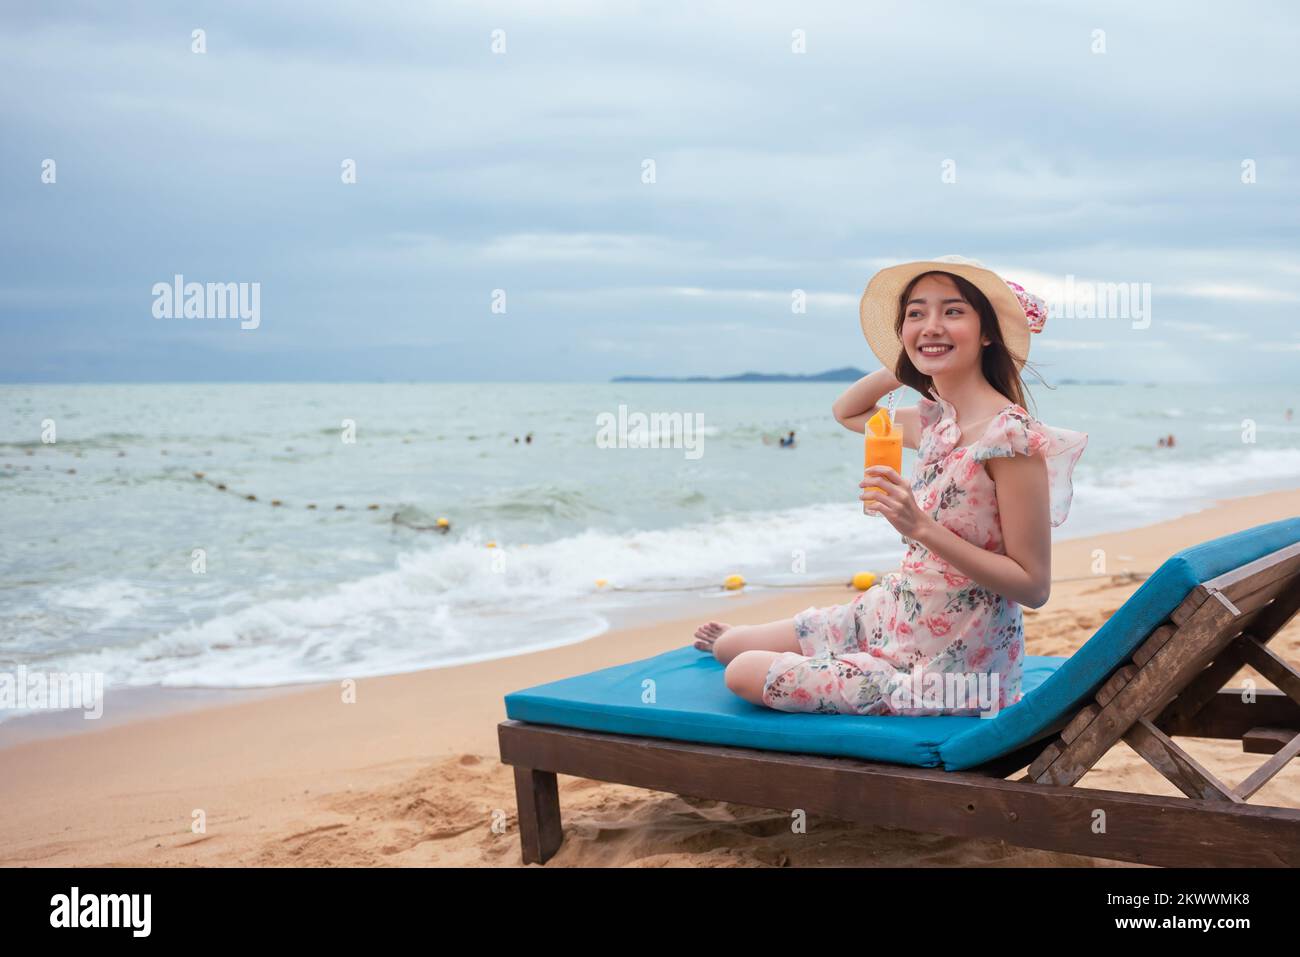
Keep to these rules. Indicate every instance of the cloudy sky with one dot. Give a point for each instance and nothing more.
(507, 147)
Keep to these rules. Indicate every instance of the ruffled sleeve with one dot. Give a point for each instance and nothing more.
(939, 432)
(1015, 432)
(929, 412)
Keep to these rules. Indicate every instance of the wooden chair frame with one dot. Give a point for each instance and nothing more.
(1173, 686)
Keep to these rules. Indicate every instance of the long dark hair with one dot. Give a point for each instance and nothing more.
(996, 360)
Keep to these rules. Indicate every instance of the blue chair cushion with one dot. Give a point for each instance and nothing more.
(680, 694)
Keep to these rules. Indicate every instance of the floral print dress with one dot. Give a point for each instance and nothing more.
(879, 654)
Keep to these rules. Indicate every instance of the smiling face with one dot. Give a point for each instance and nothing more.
(941, 330)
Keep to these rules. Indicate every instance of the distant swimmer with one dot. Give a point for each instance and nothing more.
(528, 439)
(788, 441)
(1169, 442)
(1288, 415)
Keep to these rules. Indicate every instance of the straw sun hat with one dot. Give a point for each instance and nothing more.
(1019, 313)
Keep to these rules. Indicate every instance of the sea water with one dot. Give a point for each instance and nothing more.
(115, 558)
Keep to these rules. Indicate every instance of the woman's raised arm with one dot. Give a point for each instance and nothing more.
(859, 402)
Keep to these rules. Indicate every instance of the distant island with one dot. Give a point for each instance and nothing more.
(847, 374)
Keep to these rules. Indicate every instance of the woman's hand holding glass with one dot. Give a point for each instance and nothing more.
(892, 497)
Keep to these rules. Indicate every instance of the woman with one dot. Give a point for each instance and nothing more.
(944, 634)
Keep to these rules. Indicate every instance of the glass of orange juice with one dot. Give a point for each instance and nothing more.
(884, 446)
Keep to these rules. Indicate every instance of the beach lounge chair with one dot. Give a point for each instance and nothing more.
(1154, 671)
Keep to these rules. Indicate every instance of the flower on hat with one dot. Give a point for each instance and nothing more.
(1035, 308)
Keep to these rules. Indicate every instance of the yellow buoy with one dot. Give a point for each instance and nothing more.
(734, 583)
(601, 582)
(491, 544)
(863, 580)
(443, 523)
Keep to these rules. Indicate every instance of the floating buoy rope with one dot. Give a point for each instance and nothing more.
(279, 503)
(861, 581)
(441, 525)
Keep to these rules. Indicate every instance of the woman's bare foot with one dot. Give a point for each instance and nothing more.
(708, 633)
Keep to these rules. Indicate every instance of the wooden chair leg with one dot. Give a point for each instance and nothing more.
(537, 796)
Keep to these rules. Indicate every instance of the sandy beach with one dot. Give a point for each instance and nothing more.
(409, 775)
